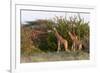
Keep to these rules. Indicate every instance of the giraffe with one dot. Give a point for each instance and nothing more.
(36, 33)
(60, 41)
(76, 43)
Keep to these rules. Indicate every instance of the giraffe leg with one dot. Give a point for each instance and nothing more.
(66, 46)
(58, 47)
(80, 46)
(73, 47)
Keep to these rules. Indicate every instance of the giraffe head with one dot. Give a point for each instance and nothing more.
(54, 29)
(49, 31)
(69, 33)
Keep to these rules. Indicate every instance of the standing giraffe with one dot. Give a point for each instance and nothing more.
(60, 41)
(76, 43)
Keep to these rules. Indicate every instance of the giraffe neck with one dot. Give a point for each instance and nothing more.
(72, 37)
(58, 35)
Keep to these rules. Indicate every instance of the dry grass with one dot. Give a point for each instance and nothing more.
(54, 56)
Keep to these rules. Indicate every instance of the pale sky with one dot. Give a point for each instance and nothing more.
(34, 15)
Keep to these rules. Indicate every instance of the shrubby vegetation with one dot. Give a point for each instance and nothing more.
(48, 42)
(73, 24)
